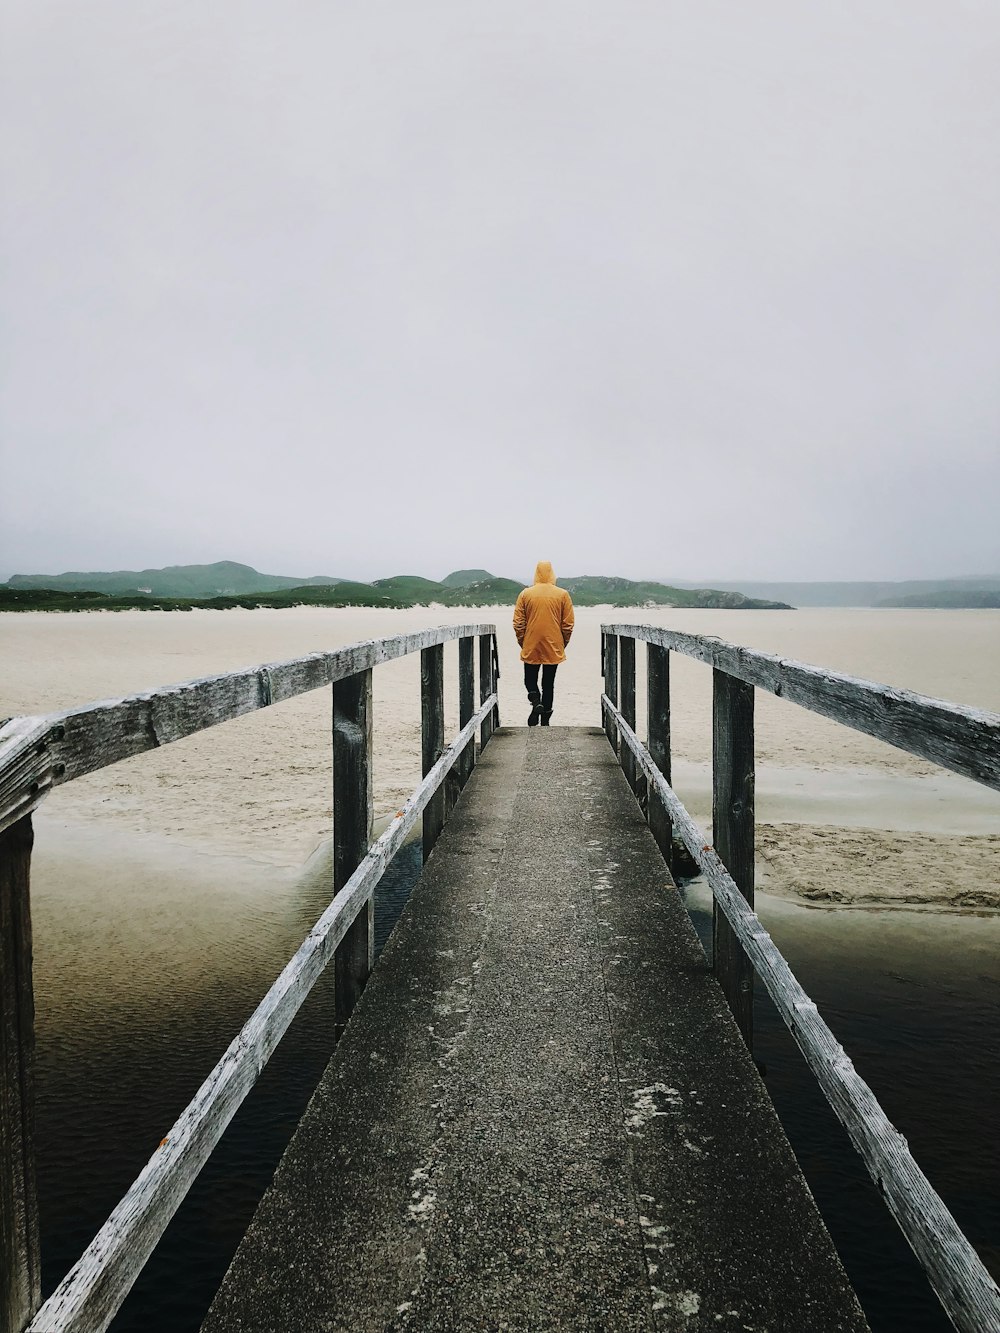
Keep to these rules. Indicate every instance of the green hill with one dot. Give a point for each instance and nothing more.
(72, 599)
(228, 584)
(489, 592)
(463, 578)
(224, 578)
(410, 587)
(598, 590)
(862, 594)
(345, 593)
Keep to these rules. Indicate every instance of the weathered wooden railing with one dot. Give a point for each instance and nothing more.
(965, 740)
(39, 753)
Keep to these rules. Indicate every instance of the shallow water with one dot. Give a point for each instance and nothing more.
(119, 1058)
(914, 999)
(168, 892)
(912, 996)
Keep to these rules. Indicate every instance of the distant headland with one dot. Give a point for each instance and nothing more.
(982, 591)
(227, 584)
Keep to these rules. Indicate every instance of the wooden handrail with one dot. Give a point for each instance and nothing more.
(92, 1292)
(658, 727)
(965, 740)
(965, 1289)
(38, 753)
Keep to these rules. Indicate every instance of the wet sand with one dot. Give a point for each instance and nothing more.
(168, 891)
(257, 790)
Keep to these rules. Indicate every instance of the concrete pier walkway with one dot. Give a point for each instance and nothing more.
(541, 1115)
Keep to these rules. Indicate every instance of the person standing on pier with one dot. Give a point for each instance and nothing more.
(543, 623)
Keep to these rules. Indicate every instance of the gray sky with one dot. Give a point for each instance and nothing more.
(669, 289)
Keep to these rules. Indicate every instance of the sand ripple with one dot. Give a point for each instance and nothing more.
(260, 787)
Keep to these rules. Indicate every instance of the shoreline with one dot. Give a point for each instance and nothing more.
(843, 820)
(819, 866)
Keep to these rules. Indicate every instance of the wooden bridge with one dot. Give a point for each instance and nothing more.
(543, 1112)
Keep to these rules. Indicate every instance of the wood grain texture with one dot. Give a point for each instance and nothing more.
(658, 724)
(81, 740)
(432, 737)
(495, 680)
(20, 1254)
(626, 686)
(733, 834)
(487, 685)
(92, 1292)
(27, 766)
(466, 702)
(965, 1289)
(965, 740)
(352, 828)
(611, 682)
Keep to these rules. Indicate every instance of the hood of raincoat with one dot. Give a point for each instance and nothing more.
(543, 619)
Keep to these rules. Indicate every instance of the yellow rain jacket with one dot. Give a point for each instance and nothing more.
(543, 618)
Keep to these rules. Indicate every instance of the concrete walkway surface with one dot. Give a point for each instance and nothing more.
(541, 1115)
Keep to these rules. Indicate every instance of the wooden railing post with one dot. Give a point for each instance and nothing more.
(496, 680)
(658, 743)
(632, 771)
(485, 684)
(733, 832)
(432, 736)
(466, 703)
(20, 1253)
(611, 684)
(352, 828)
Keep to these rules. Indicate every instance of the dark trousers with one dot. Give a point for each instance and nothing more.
(531, 670)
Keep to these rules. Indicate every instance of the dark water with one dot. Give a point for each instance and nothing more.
(913, 997)
(108, 1091)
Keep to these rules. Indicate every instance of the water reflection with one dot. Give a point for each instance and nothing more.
(139, 989)
(142, 985)
(913, 998)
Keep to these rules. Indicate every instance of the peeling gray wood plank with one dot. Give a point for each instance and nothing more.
(352, 828)
(27, 767)
(965, 740)
(487, 685)
(733, 831)
(466, 701)
(626, 685)
(92, 1292)
(432, 737)
(610, 657)
(658, 719)
(78, 741)
(965, 1289)
(20, 1253)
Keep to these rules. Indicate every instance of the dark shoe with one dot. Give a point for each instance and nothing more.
(535, 699)
(545, 717)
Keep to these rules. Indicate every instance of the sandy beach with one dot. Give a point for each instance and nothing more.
(169, 890)
(844, 820)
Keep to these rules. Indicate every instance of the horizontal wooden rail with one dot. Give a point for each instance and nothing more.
(965, 1289)
(966, 740)
(92, 1292)
(39, 753)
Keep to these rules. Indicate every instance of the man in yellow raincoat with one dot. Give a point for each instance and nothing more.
(543, 622)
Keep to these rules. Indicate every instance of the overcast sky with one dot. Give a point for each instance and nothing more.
(671, 290)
